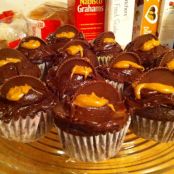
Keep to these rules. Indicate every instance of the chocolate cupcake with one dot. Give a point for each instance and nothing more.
(151, 104)
(93, 125)
(106, 47)
(69, 76)
(38, 52)
(122, 70)
(14, 63)
(149, 49)
(77, 49)
(168, 60)
(25, 109)
(63, 35)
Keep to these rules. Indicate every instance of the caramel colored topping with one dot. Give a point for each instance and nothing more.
(150, 44)
(17, 92)
(109, 40)
(170, 65)
(74, 49)
(127, 64)
(165, 89)
(82, 70)
(31, 44)
(92, 100)
(9, 60)
(67, 35)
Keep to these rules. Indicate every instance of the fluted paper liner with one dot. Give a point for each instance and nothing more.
(160, 131)
(26, 129)
(93, 148)
(104, 60)
(116, 85)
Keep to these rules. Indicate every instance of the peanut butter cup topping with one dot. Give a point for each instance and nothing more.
(17, 92)
(127, 64)
(81, 70)
(31, 44)
(9, 60)
(91, 100)
(68, 35)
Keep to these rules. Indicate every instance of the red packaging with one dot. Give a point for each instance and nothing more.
(46, 18)
(88, 16)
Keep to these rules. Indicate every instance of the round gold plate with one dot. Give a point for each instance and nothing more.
(47, 157)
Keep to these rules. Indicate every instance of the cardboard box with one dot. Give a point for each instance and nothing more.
(119, 19)
(87, 16)
(146, 17)
(166, 23)
(43, 16)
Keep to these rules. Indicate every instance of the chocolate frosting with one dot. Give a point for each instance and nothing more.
(60, 80)
(37, 101)
(106, 49)
(167, 58)
(153, 104)
(88, 54)
(92, 120)
(149, 58)
(57, 43)
(38, 55)
(122, 75)
(24, 67)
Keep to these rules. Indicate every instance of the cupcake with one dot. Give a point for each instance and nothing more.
(38, 52)
(149, 49)
(63, 35)
(69, 76)
(122, 70)
(78, 49)
(13, 63)
(168, 60)
(106, 47)
(92, 126)
(151, 105)
(25, 109)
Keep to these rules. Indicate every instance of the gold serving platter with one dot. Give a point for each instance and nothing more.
(47, 157)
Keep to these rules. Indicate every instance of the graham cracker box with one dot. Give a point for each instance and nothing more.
(166, 23)
(119, 18)
(87, 16)
(146, 17)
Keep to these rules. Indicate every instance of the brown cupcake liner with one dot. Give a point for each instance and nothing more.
(26, 129)
(116, 85)
(104, 60)
(93, 148)
(160, 131)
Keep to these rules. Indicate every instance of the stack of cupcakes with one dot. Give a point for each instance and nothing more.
(26, 113)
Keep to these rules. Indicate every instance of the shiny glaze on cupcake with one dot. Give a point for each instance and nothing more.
(149, 49)
(96, 108)
(63, 35)
(24, 96)
(124, 68)
(14, 63)
(168, 60)
(105, 46)
(36, 50)
(70, 75)
(78, 49)
(152, 95)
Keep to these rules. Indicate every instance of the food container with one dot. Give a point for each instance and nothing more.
(146, 17)
(46, 18)
(87, 16)
(13, 27)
